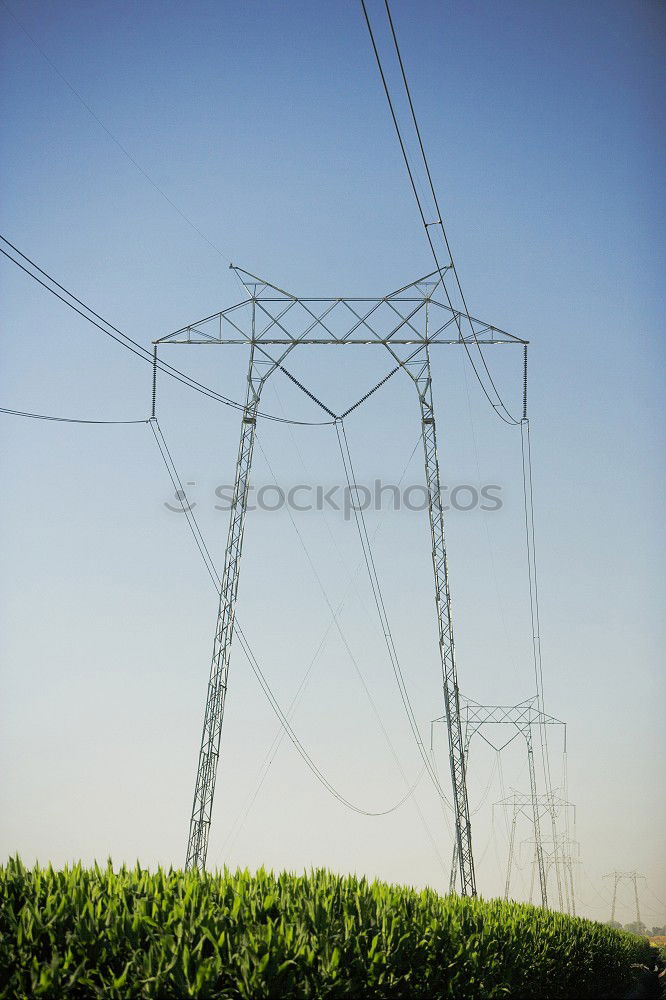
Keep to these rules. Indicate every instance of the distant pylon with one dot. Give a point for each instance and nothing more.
(618, 878)
(521, 719)
(561, 855)
(523, 804)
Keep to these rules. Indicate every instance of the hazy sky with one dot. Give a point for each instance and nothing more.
(266, 125)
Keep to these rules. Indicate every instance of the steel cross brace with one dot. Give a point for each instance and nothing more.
(398, 321)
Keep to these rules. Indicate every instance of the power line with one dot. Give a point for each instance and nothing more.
(114, 138)
(528, 500)
(212, 572)
(498, 406)
(245, 646)
(301, 749)
(651, 891)
(343, 637)
(440, 220)
(67, 420)
(491, 554)
(438, 223)
(275, 744)
(530, 545)
(334, 620)
(371, 568)
(128, 342)
(443, 800)
(181, 495)
(215, 578)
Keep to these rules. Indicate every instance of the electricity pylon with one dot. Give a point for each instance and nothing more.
(522, 718)
(272, 323)
(618, 878)
(524, 805)
(563, 854)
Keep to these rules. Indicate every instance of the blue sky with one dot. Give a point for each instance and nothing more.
(266, 125)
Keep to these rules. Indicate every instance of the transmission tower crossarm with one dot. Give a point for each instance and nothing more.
(390, 320)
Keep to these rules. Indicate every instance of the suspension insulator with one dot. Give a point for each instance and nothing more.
(525, 382)
(154, 379)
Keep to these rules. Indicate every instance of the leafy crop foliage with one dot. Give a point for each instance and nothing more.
(132, 933)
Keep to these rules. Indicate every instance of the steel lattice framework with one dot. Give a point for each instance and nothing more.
(560, 854)
(618, 878)
(272, 323)
(523, 804)
(522, 718)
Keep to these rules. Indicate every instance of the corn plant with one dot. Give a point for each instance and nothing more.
(129, 933)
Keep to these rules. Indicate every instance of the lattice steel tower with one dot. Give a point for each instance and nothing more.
(563, 855)
(407, 323)
(521, 720)
(618, 878)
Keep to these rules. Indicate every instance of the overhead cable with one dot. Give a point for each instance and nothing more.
(128, 342)
(375, 585)
(114, 138)
(497, 405)
(341, 633)
(67, 420)
(334, 620)
(245, 646)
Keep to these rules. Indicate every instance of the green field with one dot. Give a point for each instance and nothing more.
(96, 932)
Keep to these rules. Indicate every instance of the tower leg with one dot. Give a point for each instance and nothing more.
(454, 867)
(454, 860)
(556, 855)
(615, 881)
(512, 837)
(638, 912)
(538, 848)
(571, 888)
(457, 761)
(534, 867)
(565, 884)
(209, 753)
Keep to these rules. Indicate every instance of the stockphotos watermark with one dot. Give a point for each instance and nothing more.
(345, 499)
